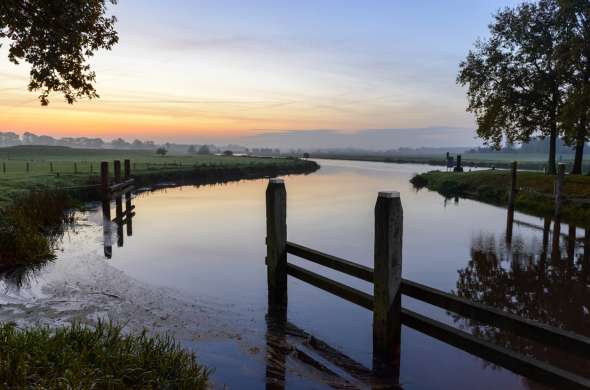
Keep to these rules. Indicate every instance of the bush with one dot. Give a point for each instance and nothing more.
(77, 357)
(419, 181)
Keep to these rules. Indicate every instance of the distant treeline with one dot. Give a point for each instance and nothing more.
(10, 138)
(537, 145)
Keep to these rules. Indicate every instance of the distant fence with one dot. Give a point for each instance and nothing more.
(389, 286)
(44, 168)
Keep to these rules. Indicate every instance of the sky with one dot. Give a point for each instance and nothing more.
(213, 71)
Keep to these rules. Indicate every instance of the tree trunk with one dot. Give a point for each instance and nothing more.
(580, 143)
(552, 168)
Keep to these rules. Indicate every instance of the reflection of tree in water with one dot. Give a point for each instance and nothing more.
(21, 274)
(526, 280)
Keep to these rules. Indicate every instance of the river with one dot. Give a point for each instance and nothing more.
(194, 267)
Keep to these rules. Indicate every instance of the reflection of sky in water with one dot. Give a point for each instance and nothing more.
(209, 242)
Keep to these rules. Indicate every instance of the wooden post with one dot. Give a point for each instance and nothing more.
(458, 167)
(276, 240)
(388, 275)
(91, 168)
(559, 190)
(104, 177)
(28, 167)
(4, 167)
(511, 198)
(117, 170)
(127, 169)
(51, 167)
(75, 167)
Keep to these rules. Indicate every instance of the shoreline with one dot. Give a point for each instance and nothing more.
(534, 195)
(440, 161)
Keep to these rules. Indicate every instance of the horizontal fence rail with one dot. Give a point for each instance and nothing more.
(348, 293)
(533, 330)
(344, 266)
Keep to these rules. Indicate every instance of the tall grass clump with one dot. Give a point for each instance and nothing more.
(31, 227)
(78, 357)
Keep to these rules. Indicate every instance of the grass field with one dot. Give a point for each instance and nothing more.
(26, 168)
(535, 193)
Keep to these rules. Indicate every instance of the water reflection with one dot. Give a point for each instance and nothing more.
(123, 218)
(532, 278)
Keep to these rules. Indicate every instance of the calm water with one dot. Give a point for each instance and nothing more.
(208, 244)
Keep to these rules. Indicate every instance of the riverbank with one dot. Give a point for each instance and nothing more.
(480, 160)
(535, 191)
(43, 168)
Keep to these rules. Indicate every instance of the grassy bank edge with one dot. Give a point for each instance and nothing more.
(534, 196)
(468, 161)
(83, 357)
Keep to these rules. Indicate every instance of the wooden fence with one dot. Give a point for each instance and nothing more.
(121, 185)
(389, 286)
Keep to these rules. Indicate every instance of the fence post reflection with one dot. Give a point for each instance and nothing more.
(276, 345)
(107, 228)
(129, 213)
(119, 219)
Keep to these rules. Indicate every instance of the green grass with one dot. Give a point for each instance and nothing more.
(77, 357)
(80, 167)
(535, 193)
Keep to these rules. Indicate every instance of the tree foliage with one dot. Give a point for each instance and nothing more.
(56, 37)
(576, 60)
(515, 79)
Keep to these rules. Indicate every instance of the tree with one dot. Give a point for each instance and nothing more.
(161, 152)
(228, 153)
(204, 150)
(192, 150)
(56, 37)
(575, 57)
(515, 80)
(120, 143)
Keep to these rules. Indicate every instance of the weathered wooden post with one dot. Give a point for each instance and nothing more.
(559, 181)
(117, 170)
(51, 166)
(104, 178)
(511, 198)
(387, 282)
(558, 189)
(459, 167)
(3, 167)
(276, 261)
(75, 167)
(127, 169)
(276, 240)
(91, 168)
(28, 167)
